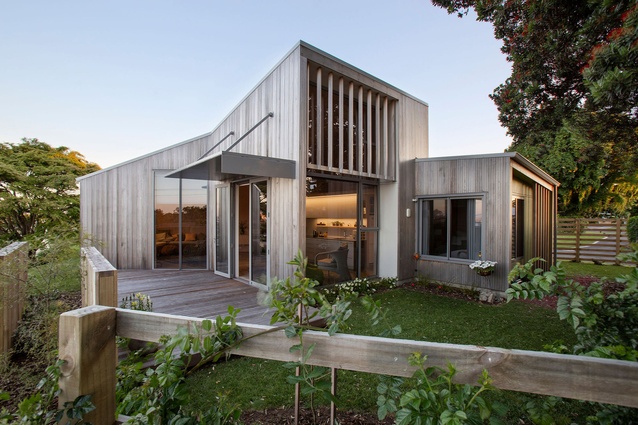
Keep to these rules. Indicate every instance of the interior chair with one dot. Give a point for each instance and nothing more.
(336, 262)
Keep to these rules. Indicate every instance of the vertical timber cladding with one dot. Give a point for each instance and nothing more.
(544, 225)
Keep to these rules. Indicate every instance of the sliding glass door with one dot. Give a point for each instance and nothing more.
(180, 222)
(252, 231)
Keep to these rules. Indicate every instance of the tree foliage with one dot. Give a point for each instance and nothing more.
(37, 187)
(572, 93)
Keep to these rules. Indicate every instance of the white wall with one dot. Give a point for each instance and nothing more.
(388, 230)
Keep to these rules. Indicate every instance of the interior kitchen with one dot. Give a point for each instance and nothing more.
(333, 226)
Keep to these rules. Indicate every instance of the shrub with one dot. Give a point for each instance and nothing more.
(605, 324)
(37, 409)
(433, 395)
(159, 394)
(36, 335)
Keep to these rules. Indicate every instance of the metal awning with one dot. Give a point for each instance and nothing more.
(230, 165)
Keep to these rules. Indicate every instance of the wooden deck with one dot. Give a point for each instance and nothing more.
(196, 293)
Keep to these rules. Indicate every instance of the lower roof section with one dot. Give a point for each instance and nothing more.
(231, 165)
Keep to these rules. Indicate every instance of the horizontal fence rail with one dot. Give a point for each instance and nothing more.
(87, 346)
(598, 240)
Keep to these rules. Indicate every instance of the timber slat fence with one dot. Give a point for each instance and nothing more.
(599, 240)
(13, 281)
(87, 347)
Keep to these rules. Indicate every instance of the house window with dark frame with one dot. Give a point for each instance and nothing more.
(451, 228)
(518, 228)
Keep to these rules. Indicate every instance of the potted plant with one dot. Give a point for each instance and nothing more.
(483, 267)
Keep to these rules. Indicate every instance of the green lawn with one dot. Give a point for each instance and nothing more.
(598, 271)
(586, 238)
(261, 384)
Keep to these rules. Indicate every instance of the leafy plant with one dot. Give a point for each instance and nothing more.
(434, 398)
(296, 302)
(36, 409)
(36, 334)
(157, 395)
(359, 287)
(604, 323)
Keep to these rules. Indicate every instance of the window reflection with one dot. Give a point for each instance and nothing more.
(180, 222)
(341, 220)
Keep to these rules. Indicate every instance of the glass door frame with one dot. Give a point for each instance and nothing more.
(228, 229)
(236, 231)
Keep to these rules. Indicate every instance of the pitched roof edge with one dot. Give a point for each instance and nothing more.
(291, 51)
(512, 155)
(358, 70)
(296, 48)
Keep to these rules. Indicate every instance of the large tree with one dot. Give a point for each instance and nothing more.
(37, 188)
(570, 102)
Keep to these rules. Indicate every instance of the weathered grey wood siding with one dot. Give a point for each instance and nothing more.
(117, 203)
(412, 142)
(490, 176)
(497, 178)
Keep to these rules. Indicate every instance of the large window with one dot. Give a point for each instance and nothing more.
(518, 228)
(180, 222)
(342, 227)
(450, 227)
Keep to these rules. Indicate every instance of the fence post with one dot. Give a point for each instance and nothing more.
(13, 282)
(618, 223)
(577, 259)
(87, 347)
(99, 279)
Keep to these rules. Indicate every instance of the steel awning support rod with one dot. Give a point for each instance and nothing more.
(216, 144)
(270, 115)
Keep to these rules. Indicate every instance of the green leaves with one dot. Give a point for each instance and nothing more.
(434, 398)
(570, 101)
(37, 408)
(157, 395)
(604, 323)
(38, 189)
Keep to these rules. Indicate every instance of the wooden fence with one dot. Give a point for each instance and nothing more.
(13, 281)
(99, 279)
(87, 347)
(598, 240)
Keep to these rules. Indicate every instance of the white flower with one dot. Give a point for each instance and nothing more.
(483, 265)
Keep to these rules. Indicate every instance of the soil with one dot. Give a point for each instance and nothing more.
(322, 417)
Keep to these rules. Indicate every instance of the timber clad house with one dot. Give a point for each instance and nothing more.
(323, 157)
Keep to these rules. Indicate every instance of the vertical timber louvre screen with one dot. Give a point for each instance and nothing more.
(350, 127)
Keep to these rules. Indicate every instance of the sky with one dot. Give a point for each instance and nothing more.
(118, 79)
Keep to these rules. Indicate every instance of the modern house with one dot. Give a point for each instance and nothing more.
(319, 156)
